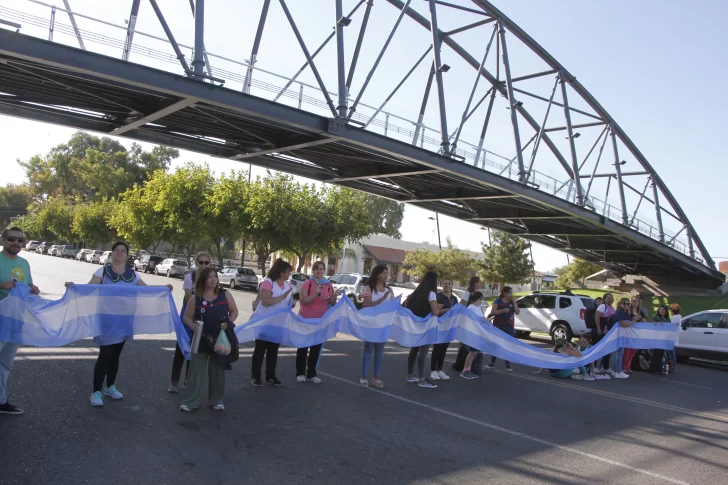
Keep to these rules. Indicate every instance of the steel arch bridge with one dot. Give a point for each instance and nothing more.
(406, 100)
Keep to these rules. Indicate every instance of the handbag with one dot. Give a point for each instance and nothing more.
(222, 345)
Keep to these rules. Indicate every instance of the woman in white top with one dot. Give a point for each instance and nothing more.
(475, 302)
(275, 293)
(110, 346)
(473, 285)
(375, 293)
(677, 319)
(422, 302)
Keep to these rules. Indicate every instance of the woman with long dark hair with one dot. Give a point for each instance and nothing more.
(422, 302)
(217, 310)
(504, 311)
(473, 285)
(275, 293)
(448, 300)
(658, 355)
(110, 347)
(375, 293)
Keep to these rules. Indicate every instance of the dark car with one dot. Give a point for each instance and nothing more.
(43, 247)
(147, 263)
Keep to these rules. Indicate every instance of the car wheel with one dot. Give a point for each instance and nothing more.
(232, 284)
(561, 331)
(522, 334)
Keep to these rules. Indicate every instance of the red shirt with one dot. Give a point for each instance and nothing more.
(320, 304)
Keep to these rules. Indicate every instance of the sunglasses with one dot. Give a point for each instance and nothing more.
(625, 303)
(203, 262)
(15, 239)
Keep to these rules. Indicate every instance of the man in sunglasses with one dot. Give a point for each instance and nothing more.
(13, 269)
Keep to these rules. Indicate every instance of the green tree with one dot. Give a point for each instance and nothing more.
(33, 228)
(14, 201)
(384, 215)
(226, 212)
(91, 222)
(136, 220)
(56, 214)
(506, 260)
(577, 270)
(450, 262)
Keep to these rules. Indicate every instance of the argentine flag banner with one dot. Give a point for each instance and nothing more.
(117, 310)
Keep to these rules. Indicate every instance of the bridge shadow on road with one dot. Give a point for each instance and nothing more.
(501, 428)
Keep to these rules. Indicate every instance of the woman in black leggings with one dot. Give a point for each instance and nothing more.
(110, 347)
(447, 299)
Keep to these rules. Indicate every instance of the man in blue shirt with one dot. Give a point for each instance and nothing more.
(13, 269)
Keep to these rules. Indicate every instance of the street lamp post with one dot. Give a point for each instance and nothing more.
(245, 241)
(437, 220)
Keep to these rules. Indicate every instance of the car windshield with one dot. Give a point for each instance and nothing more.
(588, 302)
(343, 279)
(179, 262)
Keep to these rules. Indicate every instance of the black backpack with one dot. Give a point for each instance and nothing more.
(417, 303)
(589, 316)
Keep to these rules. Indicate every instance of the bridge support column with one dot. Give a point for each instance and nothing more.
(198, 63)
(340, 60)
(130, 29)
(658, 211)
(438, 78)
(618, 167)
(256, 46)
(512, 104)
(572, 146)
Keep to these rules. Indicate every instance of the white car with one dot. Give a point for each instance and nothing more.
(94, 256)
(53, 250)
(66, 251)
(703, 335)
(171, 267)
(32, 245)
(558, 314)
(297, 280)
(81, 255)
(105, 257)
(352, 283)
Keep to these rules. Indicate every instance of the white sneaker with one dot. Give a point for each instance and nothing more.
(314, 379)
(602, 377)
(300, 378)
(576, 377)
(363, 383)
(96, 399)
(609, 372)
(443, 376)
(588, 378)
(576, 371)
(378, 383)
(621, 375)
(219, 407)
(113, 393)
(413, 379)
(434, 375)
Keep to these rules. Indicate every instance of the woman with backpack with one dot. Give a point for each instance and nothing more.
(316, 295)
(422, 302)
(375, 293)
(217, 311)
(448, 300)
(658, 355)
(275, 293)
(504, 314)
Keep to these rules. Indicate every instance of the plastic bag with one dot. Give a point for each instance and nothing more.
(222, 345)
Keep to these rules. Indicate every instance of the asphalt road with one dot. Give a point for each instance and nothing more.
(519, 428)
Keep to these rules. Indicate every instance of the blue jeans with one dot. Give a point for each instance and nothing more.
(366, 356)
(7, 356)
(618, 360)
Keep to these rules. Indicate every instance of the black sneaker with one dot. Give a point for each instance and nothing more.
(274, 381)
(8, 408)
(256, 382)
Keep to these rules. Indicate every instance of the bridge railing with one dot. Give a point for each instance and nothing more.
(284, 89)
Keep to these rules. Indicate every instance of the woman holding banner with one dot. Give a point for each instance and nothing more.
(375, 293)
(110, 346)
(422, 302)
(275, 294)
(316, 295)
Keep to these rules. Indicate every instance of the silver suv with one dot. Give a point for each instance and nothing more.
(352, 283)
(239, 277)
(561, 315)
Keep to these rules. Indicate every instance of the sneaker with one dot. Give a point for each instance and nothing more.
(576, 377)
(490, 366)
(621, 375)
(378, 383)
(413, 379)
(609, 372)
(300, 378)
(434, 375)
(588, 378)
(273, 381)
(8, 408)
(219, 407)
(426, 384)
(256, 382)
(314, 379)
(96, 399)
(602, 377)
(509, 369)
(113, 393)
(468, 375)
(443, 376)
(186, 409)
(363, 383)
(173, 388)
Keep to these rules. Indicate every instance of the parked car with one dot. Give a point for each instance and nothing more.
(238, 278)
(67, 251)
(81, 255)
(44, 247)
(558, 314)
(171, 267)
(297, 280)
(703, 335)
(94, 256)
(106, 257)
(53, 250)
(32, 245)
(147, 263)
(352, 283)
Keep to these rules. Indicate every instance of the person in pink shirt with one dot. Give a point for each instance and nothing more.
(316, 295)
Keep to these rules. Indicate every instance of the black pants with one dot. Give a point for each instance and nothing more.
(107, 365)
(439, 351)
(419, 355)
(656, 361)
(596, 338)
(177, 363)
(266, 349)
(302, 361)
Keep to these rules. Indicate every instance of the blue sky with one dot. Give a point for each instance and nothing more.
(655, 66)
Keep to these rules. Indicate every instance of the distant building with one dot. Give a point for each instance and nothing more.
(723, 267)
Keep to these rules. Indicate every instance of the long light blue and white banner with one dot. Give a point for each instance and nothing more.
(87, 311)
(91, 310)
